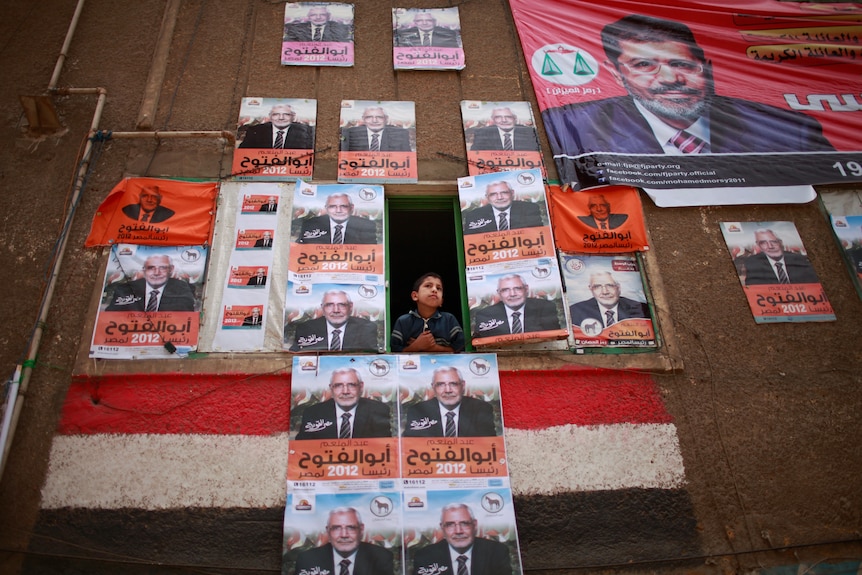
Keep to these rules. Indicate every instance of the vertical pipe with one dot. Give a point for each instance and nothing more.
(68, 42)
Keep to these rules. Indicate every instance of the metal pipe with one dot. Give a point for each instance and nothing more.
(159, 135)
(58, 67)
(30, 362)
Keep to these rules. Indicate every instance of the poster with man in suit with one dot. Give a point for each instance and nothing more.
(427, 39)
(607, 301)
(776, 275)
(150, 302)
(275, 140)
(500, 136)
(317, 34)
(378, 142)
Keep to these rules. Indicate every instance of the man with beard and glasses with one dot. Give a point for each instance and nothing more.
(671, 107)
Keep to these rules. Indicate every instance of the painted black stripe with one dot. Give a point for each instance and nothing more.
(564, 531)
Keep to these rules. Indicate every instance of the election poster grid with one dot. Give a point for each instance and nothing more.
(500, 136)
(667, 95)
(376, 478)
(778, 280)
(275, 139)
(336, 297)
(317, 34)
(378, 142)
(607, 301)
(427, 39)
(151, 302)
(513, 279)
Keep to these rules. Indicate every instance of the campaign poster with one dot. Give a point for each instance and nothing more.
(427, 39)
(344, 418)
(607, 301)
(155, 211)
(378, 142)
(151, 302)
(362, 522)
(516, 302)
(504, 217)
(275, 139)
(500, 136)
(317, 34)
(451, 418)
(683, 94)
(481, 515)
(337, 229)
(603, 220)
(778, 280)
(334, 317)
(848, 230)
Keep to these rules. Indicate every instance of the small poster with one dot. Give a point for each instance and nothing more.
(773, 268)
(607, 301)
(378, 142)
(504, 217)
(151, 302)
(427, 39)
(516, 302)
(275, 139)
(317, 34)
(848, 230)
(500, 136)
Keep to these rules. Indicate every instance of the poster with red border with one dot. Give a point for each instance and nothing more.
(756, 81)
(264, 154)
(779, 282)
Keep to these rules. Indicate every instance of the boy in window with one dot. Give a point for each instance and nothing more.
(426, 328)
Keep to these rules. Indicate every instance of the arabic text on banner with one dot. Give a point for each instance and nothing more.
(155, 211)
(500, 136)
(779, 282)
(275, 139)
(317, 34)
(726, 98)
(606, 220)
(607, 301)
(150, 303)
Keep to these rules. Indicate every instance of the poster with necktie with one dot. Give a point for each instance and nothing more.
(245, 312)
(688, 95)
(500, 136)
(607, 300)
(378, 142)
(335, 298)
(317, 34)
(375, 479)
(155, 211)
(844, 208)
(275, 139)
(779, 281)
(427, 39)
(603, 220)
(151, 302)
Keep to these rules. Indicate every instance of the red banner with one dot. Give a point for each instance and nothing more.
(155, 212)
(591, 222)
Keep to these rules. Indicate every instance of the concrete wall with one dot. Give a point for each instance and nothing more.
(749, 457)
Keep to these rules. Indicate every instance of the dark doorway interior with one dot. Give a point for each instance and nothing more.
(422, 238)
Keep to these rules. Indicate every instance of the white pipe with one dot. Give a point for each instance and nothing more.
(58, 67)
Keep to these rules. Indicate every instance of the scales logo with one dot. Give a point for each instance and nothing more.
(564, 64)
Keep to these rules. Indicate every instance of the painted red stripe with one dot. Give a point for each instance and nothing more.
(238, 404)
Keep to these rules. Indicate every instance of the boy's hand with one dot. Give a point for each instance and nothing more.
(424, 342)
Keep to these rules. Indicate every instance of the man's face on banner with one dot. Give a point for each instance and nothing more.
(605, 289)
(665, 78)
(157, 270)
(425, 22)
(339, 207)
(499, 195)
(503, 118)
(150, 198)
(448, 388)
(345, 532)
(336, 308)
(318, 16)
(769, 244)
(374, 118)
(513, 292)
(281, 117)
(600, 209)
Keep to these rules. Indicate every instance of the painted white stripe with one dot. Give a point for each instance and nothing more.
(593, 458)
(243, 471)
(166, 471)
